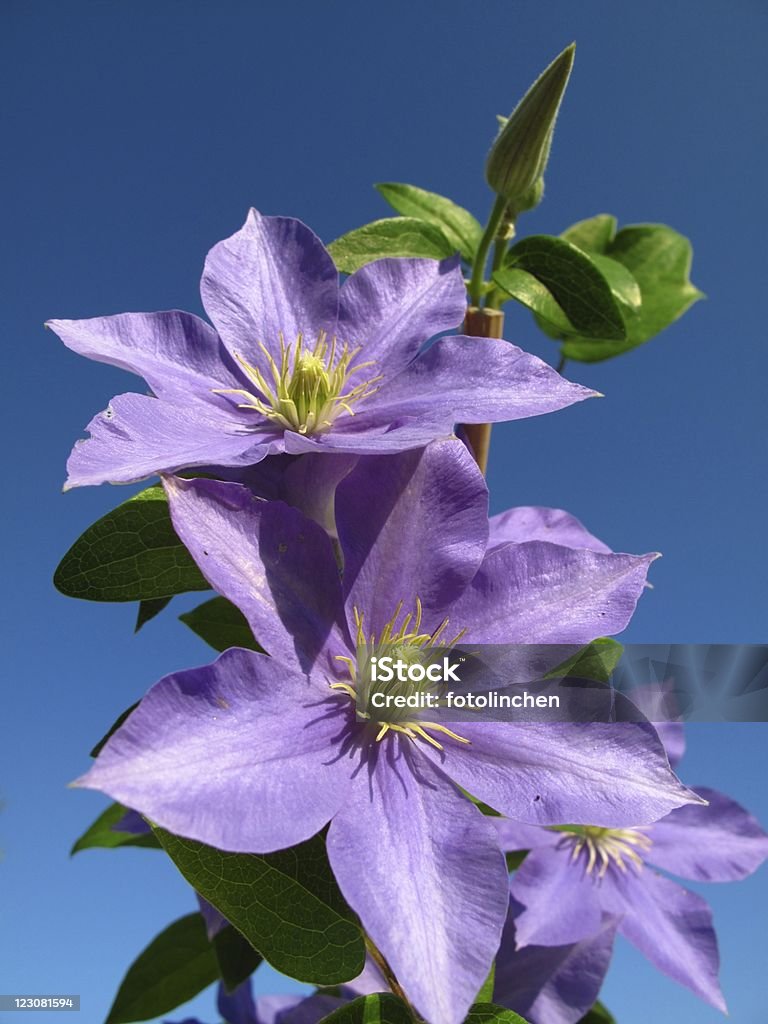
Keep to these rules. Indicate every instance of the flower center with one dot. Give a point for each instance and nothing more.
(400, 642)
(603, 847)
(308, 388)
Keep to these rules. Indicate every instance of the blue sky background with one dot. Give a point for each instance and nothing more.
(137, 135)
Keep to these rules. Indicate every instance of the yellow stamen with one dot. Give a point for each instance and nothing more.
(309, 388)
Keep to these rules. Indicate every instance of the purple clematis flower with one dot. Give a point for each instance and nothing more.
(241, 1007)
(574, 881)
(297, 363)
(256, 753)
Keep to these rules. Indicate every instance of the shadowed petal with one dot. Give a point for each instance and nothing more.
(237, 1007)
(537, 593)
(672, 927)
(271, 276)
(238, 754)
(474, 380)
(515, 835)
(422, 868)
(276, 565)
(139, 436)
(553, 773)
(392, 306)
(383, 438)
(555, 901)
(552, 984)
(550, 524)
(178, 354)
(720, 842)
(412, 525)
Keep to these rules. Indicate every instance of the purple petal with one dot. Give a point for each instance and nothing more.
(412, 525)
(719, 842)
(550, 524)
(214, 919)
(271, 277)
(672, 927)
(178, 354)
(538, 593)
(660, 705)
(614, 775)
(373, 436)
(310, 483)
(237, 1007)
(475, 380)
(257, 554)
(237, 754)
(392, 306)
(138, 436)
(555, 901)
(296, 1010)
(422, 868)
(552, 984)
(133, 823)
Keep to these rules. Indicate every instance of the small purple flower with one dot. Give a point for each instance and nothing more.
(257, 753)
(297, 363)
(575, 880)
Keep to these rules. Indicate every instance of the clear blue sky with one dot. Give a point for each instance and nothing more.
(137, 135)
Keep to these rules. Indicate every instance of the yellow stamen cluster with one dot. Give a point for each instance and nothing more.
(308, 388)
(606, 846)
(407, 642)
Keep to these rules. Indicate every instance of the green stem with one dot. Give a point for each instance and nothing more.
(496, 297)
(561, 365)
(481, 258)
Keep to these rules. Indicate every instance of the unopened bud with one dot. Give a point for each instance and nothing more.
(518, 157)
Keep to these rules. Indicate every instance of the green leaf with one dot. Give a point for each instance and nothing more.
(596, 661)
(122, 717)
(236, 957)
(659, 259)
(593, 235)
(130, 554)
(488, 1013)
(621, 282)
(102, 833)
(380, 1008)
(221, 624)
(515, 859)
(149, 609)
(173, 969)
(393, 236)
(531, 292)
(286, 904)
(598, 1015)
(574, 281)
(460, 228)
(485, 995)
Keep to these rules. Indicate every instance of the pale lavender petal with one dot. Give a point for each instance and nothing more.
(720, 842)
(672, 927)
(672, 735)
(552, 984)
(422, 868)
(555, 773)
(555, 901)
(412, 525)
(240, 754)
(537, 593)
(257, 554)
(138, 436)
(179, 355)
(272, 276)
(392, 306)
(660, 705)
(533, 523)
(475, 380)
(516, 835)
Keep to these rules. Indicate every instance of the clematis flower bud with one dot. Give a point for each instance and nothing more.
(518, 157)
